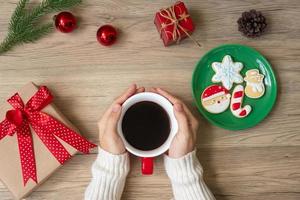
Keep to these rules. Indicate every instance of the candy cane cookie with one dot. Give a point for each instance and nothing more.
(236, 103)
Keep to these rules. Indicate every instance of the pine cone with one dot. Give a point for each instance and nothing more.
(252, 24)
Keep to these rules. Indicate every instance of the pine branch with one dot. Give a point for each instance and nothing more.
(23, 26)
(38, 32)
(7, 44)
(18, 13)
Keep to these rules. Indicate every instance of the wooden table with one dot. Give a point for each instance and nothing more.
(259, 163)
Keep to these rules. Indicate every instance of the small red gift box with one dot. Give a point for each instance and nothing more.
(174, 23)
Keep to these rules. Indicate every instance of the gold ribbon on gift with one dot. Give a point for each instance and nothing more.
(176, 34)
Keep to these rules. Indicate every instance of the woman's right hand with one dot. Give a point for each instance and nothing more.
(185, 140)
(109, 138)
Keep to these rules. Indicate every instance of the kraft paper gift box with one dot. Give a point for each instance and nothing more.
(10, 164)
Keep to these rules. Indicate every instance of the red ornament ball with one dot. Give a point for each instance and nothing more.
(65, 22)
(106, 35)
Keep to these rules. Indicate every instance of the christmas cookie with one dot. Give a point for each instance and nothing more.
(215, 99)
(255, 87)
(227, 72)
(236, 103)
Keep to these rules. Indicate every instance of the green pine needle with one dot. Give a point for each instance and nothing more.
(23, 26)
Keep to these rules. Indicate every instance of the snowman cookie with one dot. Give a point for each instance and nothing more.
(255, 87)
(236, 103)
(215, 99)
(227, 72)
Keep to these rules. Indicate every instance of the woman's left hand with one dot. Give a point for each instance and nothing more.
(185, 139)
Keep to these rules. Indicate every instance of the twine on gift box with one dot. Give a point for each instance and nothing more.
(171, 15)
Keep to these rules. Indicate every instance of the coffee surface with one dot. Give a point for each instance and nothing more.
(146, 125)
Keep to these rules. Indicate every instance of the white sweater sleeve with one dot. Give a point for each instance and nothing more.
(109, 174)
(186, 178)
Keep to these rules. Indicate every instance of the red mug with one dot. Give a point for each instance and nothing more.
(147, 157)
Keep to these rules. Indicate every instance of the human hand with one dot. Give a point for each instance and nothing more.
(185, 140)
(109, 138)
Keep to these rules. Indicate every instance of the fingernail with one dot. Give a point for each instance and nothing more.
(133, 85)
(116, 108)
(178, 107)
(141, 88)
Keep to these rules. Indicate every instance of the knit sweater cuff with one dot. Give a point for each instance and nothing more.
(110, 164)
(186, 178)
(109, 174)
(183, 170)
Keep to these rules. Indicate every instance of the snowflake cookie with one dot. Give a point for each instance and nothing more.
(227, 72)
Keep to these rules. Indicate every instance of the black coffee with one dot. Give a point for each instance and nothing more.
(146, 125)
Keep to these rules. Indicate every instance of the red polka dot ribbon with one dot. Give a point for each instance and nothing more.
(45, 126)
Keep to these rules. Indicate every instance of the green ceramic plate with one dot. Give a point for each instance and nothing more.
(251, 60)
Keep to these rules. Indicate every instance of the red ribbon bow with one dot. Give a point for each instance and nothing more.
(45, 126)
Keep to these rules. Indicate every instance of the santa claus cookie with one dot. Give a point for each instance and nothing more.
(215, 99)
(236, 103)
(227, 72)
(255, 87)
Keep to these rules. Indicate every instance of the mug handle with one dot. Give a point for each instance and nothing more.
(147, 166)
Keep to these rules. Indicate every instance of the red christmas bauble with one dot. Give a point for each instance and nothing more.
(106, 35)
(65, 22)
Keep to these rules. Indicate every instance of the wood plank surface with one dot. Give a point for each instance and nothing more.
(258, 163)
